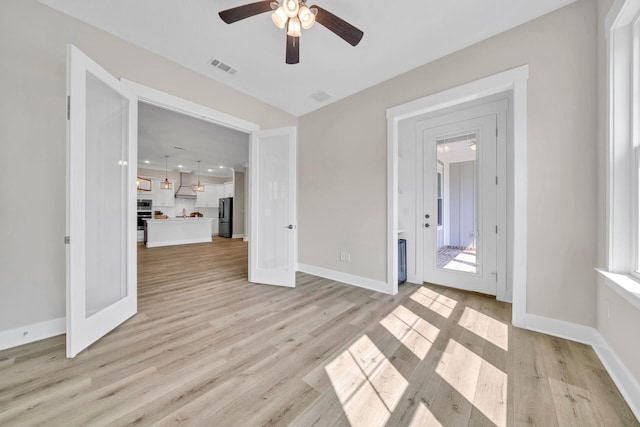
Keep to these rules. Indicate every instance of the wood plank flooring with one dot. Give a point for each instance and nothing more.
(207, 348)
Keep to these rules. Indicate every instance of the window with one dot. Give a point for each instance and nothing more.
(623, 177)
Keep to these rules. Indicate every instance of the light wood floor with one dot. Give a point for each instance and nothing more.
(208, 348)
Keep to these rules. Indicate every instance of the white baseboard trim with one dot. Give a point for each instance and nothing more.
(30, 333)
(624, 380)
(350, 279)
(237, 236)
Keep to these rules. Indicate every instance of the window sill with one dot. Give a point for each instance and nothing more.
(628, 287)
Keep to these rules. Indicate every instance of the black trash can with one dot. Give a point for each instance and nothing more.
(402, 261)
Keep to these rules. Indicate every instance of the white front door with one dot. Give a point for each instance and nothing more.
(459, 218)
(273, 215)
(101, 216)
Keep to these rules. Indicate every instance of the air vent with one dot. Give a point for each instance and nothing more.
(223, 67)
(321, 96)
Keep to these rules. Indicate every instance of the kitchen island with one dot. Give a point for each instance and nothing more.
(176, 231)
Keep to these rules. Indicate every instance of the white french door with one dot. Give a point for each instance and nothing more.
(273, 213)
(101, 217)
(459, 218)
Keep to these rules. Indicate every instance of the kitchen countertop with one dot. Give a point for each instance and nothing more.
(180, 219)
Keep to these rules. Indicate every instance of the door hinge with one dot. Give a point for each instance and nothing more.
(67, 240)
(68, 107)
(495, 273)
(496, 132)
(496, 229)
(496, 180)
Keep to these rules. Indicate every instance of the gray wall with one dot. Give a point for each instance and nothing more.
(33, 41)
(560, 50)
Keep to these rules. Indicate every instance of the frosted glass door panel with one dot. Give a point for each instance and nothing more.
(273, 224)
(273, 203)
(101, 202)
(106, 176)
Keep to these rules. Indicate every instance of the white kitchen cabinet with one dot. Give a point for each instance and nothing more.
(163, 198)
(209, 197)
(228, 189)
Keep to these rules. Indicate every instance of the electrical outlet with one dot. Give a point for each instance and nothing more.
(348, 257)
(343, 256)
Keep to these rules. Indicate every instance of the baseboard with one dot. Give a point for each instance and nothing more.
(30, 333)
(624, 380)
(237, 236)
(350, 279)
(557, 328)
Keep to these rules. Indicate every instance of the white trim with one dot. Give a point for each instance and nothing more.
(30, 333)
(237, 236)
(174, 103)
(514, 80)
(350, 279)
(624, 380)
(627, 287)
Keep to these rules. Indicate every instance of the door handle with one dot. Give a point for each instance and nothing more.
(290, 226)
(427, 225)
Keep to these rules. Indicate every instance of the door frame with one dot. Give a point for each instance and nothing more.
(493, 108)
(514, 82)
(182, 106)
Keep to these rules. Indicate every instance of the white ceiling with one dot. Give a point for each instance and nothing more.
(398, 36)
(160, 131)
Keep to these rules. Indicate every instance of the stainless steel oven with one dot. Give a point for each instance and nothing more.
(142, 215)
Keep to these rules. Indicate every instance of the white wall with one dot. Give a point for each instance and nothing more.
(33, 41)
(559, 49)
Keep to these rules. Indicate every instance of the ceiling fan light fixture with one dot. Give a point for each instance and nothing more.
(307, 17)
(279, 18)
(290, 7)
(293, 27)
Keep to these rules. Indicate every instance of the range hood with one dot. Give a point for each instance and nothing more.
(185, 191)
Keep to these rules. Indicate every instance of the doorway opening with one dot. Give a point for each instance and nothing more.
(510, 86)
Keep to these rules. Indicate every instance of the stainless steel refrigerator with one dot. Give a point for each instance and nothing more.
(225, 217)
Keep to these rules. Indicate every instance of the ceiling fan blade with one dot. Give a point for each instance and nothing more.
(245, 11)
(339, 26)
(293, 49)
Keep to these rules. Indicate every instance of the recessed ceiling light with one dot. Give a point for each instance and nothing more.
(221, 167)
(179, 166)
(147, 161)
(209, 170)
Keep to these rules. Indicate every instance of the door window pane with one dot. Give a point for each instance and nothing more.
(457, 221)
(106, 190)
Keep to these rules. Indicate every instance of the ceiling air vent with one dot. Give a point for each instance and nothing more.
(321, 96)
(223, 67)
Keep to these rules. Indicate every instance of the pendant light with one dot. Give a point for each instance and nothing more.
(198, 188)
(165, 185)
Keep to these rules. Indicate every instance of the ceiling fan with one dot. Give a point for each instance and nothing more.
(294, 15)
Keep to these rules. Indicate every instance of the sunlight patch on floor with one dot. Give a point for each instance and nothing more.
(434, 301)
(411, 330)
(477, 380)
(486, 327)
(423, 417)
(368, 386)
(459, 266)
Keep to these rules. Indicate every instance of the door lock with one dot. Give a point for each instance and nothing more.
(290, 226)
(427, 216)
